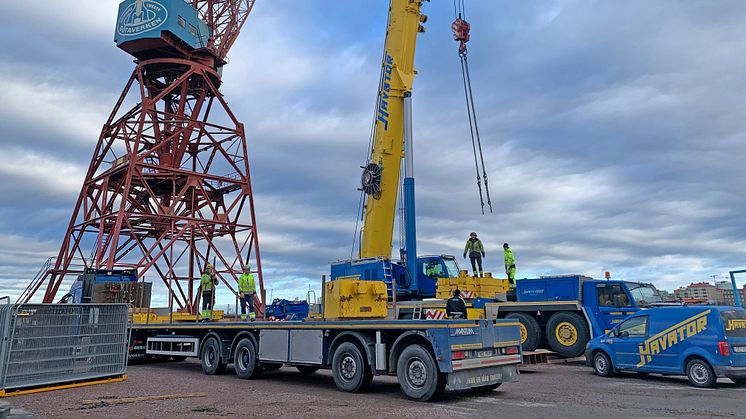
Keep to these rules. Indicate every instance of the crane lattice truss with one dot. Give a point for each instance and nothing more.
(168, 189)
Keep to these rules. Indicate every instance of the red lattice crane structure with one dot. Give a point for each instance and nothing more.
(168, 188)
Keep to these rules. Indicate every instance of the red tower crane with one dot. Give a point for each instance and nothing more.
(168, 188)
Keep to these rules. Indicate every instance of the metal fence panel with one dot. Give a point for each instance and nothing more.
(53, 343)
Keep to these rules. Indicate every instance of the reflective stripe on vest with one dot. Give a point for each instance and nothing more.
(246, 283)
(206, 282)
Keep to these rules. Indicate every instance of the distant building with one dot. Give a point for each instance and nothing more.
(668, 297)
(727, 289)
(701, 291)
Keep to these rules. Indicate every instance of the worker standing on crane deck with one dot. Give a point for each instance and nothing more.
(476, 252)
(455, 306)
(247, 289)
(208, 281)
(509, 264)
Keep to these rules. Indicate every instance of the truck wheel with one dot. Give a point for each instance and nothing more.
(244, 360)
(418, 374)
(307, 369)
(530, 330)
(567, 334)
(212, 362)
(349, 369)
(700, 373)
(602, 364)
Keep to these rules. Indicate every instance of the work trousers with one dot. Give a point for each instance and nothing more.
(247, 299)
(510, 271)
(207, 300)
(476, 260)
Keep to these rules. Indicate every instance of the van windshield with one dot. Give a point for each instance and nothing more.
(734, 322)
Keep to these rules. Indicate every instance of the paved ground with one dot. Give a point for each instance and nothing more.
(545, 391)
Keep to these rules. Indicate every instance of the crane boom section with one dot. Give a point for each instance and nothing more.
(388, 138)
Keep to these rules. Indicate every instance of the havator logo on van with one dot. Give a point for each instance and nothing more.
(671, 337)
(734, 324)
(141, 16)
(463, 331)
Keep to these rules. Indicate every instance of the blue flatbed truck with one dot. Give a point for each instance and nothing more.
(564, 312)
(426, 356)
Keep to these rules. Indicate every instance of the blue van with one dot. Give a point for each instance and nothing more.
(701, 342)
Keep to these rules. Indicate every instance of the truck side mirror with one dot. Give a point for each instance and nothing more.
(624, 334)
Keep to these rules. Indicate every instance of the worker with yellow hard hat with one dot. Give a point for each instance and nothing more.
(208, 281)
(247, 290)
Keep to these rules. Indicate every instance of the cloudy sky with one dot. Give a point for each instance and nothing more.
(614, 133)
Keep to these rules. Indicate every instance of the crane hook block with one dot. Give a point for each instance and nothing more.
(461, 29)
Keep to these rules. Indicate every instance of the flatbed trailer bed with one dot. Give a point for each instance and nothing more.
(426, 355)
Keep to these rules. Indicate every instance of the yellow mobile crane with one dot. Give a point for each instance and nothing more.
(412, 277)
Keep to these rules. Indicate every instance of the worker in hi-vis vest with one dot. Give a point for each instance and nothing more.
(509, 264)
(476, 252)
(208, 281)
(247, 290)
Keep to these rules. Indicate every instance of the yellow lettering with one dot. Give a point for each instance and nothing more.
(663, 342)
(691, 329)
(681, 331)
(654, 348)
(701, 324)
(672, 340)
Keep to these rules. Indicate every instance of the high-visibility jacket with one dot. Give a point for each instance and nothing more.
(206, 282)
(509, 260)
(474, 247)
(246, 284)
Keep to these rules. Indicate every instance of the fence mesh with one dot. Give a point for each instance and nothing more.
(52, 343)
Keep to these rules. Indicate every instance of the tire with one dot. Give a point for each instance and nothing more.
(307, 369)
(530, 330)
(350, 371)
(212, 362)
(418, 374)
(567, 334)
(245, 360)
(485, 389)
(700, 373)
(602, 364)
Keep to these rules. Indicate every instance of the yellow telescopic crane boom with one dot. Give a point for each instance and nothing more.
(381, 176)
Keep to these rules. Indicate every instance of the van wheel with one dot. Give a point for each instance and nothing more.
(530, 330)
(602, 364)
(567, 334)
(700, 373)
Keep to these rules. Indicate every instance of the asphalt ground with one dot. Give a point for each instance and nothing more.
(544, 391)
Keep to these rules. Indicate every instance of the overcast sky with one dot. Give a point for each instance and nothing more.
(614, 133)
